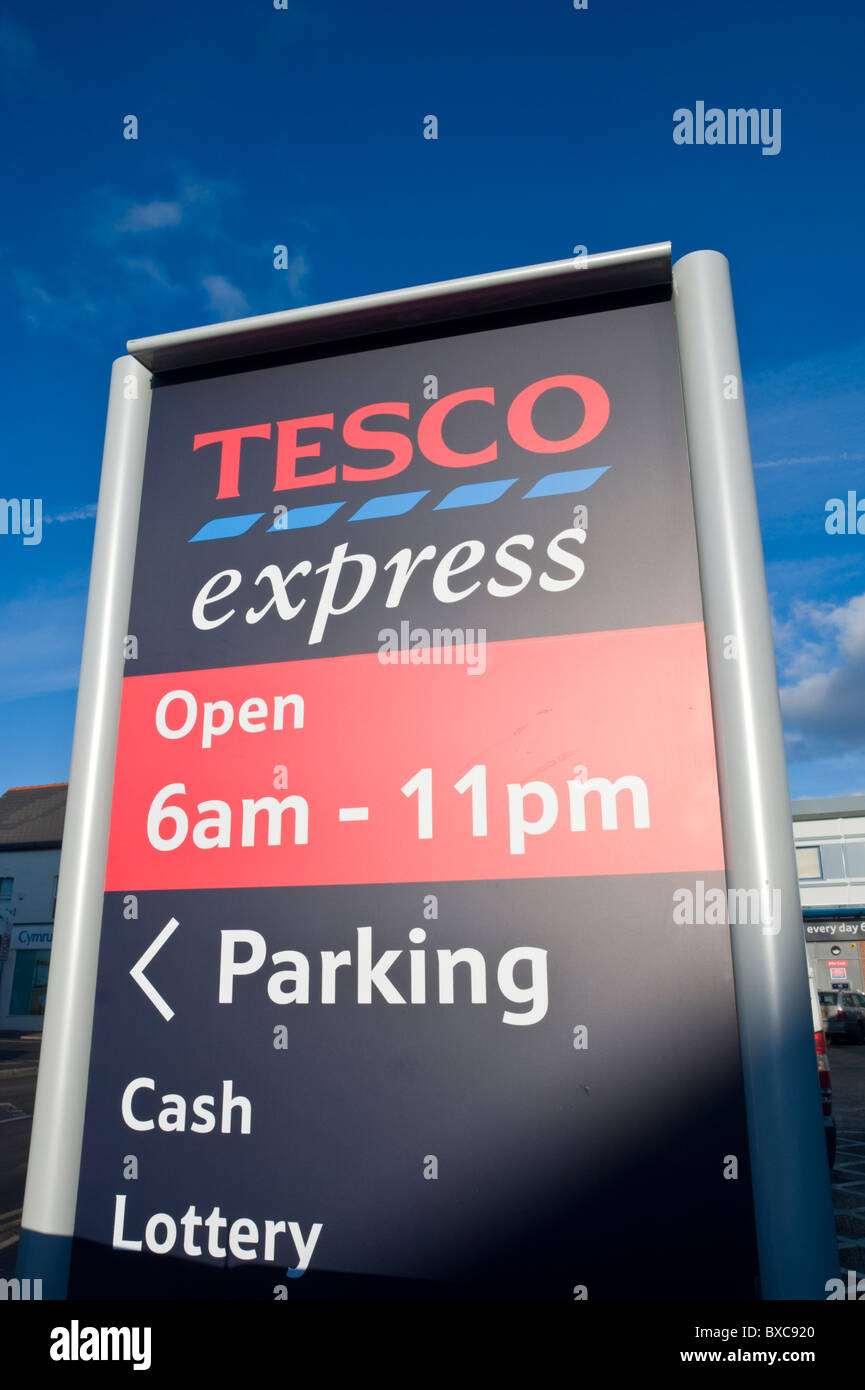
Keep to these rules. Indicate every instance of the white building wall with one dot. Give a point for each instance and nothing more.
(842, 844)
(839, 890)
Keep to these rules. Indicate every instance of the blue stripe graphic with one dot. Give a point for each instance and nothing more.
(399, 503)
(395, 504)
(300, 517)
(474, 494)
(577, 480)
(226, 526)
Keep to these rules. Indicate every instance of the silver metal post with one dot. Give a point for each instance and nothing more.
(55, 1148)
(789, 1168)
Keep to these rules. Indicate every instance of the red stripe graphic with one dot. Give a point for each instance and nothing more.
(588, 754)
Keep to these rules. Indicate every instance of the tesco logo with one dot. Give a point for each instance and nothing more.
(359, 433)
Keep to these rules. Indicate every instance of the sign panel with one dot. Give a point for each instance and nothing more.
(416, 738)
(31, 938)
(835, 929)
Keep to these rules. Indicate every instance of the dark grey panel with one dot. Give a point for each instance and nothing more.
(557, 1166)
(640, 552)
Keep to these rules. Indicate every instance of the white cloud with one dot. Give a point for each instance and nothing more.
(824, 707)
(297, 272)
(801, 647)
(76, 514)
(786, 429)
(147, 217)
(810, 460)
(205, 192)
(77, 296)
(192, 203)
(152, 269)
(70, 311)
(195, 254)
(224, 298)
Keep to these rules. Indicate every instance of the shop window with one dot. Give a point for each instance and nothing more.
(808, 862)
(29, 983)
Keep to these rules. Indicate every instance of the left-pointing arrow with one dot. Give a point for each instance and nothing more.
(138, 975)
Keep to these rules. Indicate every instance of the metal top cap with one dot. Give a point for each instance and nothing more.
(607, 272)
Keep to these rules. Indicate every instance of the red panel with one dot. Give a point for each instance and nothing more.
(629, 703)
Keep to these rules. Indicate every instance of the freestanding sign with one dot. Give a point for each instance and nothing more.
(402, 987)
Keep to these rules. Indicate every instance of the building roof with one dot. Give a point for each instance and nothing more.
(826, 807)
(32, 817)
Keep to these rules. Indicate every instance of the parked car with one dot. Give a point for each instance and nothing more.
(844, 1012)
(824, 1073)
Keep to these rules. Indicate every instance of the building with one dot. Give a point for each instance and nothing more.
(31, 831)
(830, 852)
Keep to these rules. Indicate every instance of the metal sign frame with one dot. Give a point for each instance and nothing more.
(795, 1229)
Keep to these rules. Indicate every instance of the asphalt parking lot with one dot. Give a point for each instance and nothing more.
(19, 1059)
(848, 1176)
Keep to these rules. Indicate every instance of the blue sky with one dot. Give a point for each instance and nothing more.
(303, 126)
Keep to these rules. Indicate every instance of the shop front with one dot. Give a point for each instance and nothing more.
(25, 978)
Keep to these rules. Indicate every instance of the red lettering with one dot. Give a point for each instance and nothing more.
(288, 451)
(358, 438)
(229, 459)
(595, 401)
(429, 431)
(399, 445)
